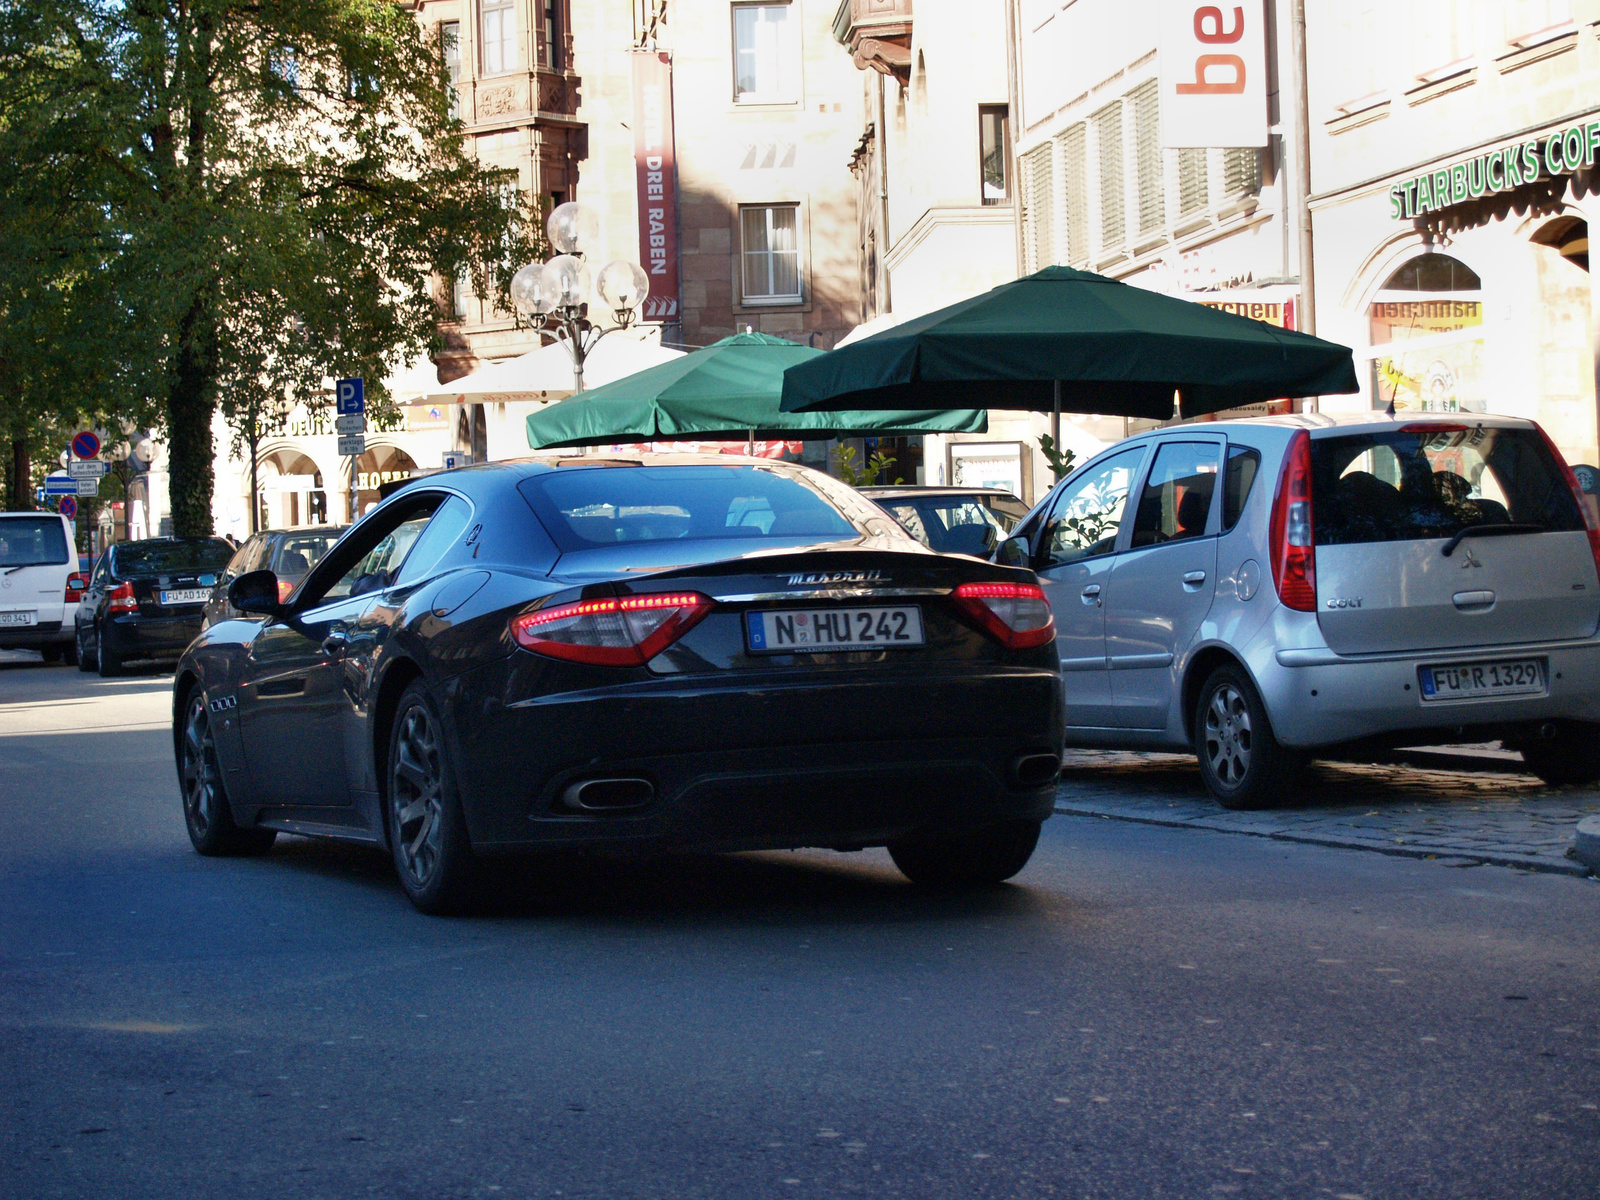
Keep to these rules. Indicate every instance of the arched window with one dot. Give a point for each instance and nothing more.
(1425, 329)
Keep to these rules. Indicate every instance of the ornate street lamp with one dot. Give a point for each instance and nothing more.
(554, 296)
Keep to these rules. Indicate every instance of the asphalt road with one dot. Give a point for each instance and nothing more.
(1146, 1012)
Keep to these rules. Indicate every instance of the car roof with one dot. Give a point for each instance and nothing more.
(1376, 418)
(932, 490)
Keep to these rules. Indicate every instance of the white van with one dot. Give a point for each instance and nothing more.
(38, 568)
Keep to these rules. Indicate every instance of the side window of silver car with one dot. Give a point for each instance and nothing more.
(1088, 512)
(1175, 503)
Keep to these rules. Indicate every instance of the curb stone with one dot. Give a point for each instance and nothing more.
(1449, 856)
(1586, 849)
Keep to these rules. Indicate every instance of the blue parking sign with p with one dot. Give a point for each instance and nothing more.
(351, 397)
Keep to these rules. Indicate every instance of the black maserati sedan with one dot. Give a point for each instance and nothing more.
(651, 653)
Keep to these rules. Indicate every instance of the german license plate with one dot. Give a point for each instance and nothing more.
(186, 596)
(1472, 681)
(29, 617)
(808, 630)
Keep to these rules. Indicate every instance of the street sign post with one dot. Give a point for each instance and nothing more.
(60, 485)
(352, 444)
(351, 396)
(454, 459)
(68, 507)
(87, 468)
(86, 444)
(350, 423)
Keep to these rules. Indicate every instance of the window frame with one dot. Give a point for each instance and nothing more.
(792, 48)
(504, 42)
(1124, 527)
(749, 299)
(1003, 113)
(1219, 447)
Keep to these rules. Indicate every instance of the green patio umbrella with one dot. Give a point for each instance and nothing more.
(727, 389)
(1072, 341)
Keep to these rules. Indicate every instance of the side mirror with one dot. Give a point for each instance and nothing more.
(1014, 552)
(255, 592)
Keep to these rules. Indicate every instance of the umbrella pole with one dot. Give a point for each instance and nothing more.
(1055, 414)
(750, 443)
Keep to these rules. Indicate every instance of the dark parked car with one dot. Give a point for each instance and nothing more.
(145, 599)
(952, 520)
(679, 653)
(287, 553)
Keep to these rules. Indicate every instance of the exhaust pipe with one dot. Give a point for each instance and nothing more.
(609, 795)
(1035, 770)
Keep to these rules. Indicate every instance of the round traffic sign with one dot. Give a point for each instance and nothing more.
(86, 444)
(69, 507)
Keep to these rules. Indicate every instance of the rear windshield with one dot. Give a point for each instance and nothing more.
(32, 542)
(299, 552)
(1400, 485)
(584, 508)
(156, 558)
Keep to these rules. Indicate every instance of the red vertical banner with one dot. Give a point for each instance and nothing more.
(655, 158)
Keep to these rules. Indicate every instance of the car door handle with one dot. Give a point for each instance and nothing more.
(1194, 579)
(1092, 593)
(335, 644)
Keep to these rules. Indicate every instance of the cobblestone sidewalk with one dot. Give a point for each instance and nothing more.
(1465, 817)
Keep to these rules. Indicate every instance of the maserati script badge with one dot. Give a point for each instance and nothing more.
(823, 578)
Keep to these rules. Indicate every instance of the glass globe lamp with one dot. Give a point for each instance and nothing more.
(528, 296)
(622, 285)
(573, 229)
(564, 282)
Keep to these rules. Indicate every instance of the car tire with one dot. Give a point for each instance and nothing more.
(69, 652)
(1243, 764)
(86, 661)
(1571, 756)
(206, 811)
(979, 858)
(422, 811)
(50, 654)
(107, 660)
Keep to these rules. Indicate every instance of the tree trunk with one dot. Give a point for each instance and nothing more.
(21, 476)
(191, 455)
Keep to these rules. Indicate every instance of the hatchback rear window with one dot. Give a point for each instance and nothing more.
(584, 508)
(32, 542)
(1416, 484)
(155, 558)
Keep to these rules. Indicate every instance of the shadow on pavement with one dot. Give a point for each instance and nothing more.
(732, 889)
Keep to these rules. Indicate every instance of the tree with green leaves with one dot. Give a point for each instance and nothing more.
(284, 182)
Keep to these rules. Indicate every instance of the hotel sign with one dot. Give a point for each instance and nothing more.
(655, 159)
(1502, 170)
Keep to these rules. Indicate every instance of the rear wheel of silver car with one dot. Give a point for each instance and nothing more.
(1242, 763)
(975, 858)
(205, 797)
(427, 832)
(1572, 755)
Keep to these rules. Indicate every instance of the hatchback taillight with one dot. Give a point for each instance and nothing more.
(1590, 522)
(76, 586)
(1294, 557)
(1016, 614)
(121, 599)
(609, 632)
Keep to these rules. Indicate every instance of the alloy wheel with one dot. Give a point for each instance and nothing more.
(1227, 735)
(416, 786)
(202, 775)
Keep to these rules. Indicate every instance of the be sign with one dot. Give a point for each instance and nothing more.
(351, 397)
(1213, 73)
(86, 444)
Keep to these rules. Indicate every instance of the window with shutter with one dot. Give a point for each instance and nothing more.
(1075, 159)
(1241, 171)
(1039, 195)
(1147, 152)
(1108, 138)
(1194, 188)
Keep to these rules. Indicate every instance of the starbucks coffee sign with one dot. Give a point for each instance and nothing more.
(1502, 170)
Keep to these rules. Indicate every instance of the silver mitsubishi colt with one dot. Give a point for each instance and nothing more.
(1253, 591)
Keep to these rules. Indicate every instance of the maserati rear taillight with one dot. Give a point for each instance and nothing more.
(121, 599)
(1294, 557)
(611, 632)
(1016, 614)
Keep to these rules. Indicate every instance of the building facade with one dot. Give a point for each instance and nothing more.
(1454, 180)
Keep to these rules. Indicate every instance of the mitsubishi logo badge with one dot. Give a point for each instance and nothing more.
(1469, 561)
